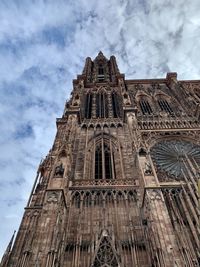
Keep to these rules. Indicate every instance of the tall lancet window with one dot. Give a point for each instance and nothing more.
(145, 107)
(108, 162)
(88, 106)
(100, 73)
(164, 105)
(98, 162)
(101, 70)
(115, 105)
(104, 161)
(101, 105)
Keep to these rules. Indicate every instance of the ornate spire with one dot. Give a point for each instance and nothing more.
(6, 255)
(101, 57)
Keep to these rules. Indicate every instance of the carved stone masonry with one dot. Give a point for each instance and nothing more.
(119, 186)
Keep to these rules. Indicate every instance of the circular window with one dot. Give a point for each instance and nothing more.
(173, 156)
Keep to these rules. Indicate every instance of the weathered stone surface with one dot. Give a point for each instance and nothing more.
(100, 197)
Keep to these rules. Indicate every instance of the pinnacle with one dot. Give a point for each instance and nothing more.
(100, 56)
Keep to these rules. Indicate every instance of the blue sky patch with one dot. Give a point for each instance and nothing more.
(25, 131)
(43, 45)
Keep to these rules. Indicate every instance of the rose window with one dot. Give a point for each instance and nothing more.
(174, 156)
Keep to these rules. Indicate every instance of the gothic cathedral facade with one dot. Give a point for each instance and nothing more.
(119, 186)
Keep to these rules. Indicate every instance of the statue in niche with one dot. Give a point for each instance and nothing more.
(132, 120)
(52, 197)
(59, 170)
(147, 170)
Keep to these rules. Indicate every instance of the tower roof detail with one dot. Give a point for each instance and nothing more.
(100, 56)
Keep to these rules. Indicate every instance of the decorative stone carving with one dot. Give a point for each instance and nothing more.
(171, 156)
(133, 218)
(59, 170)
(52, 197)
(154, 195)
(148, 169)
(132, 120)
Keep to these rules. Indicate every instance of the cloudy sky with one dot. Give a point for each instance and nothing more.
(43, 45)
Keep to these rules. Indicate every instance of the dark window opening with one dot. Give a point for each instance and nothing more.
(104, 162)
(102, 115)
(145, 107)
(97, 106)
(70, 247)
(142, 152)
(88, 106)
(101, 106)
(108, 162)
(101, 75)
(115, 105)
(84, 246)
(98, 163)
(164, 106)
(101, 70)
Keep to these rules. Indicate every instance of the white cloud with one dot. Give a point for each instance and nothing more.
(22, 19)
(148, 39)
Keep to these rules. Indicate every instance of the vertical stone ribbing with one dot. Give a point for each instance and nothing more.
(141, 214)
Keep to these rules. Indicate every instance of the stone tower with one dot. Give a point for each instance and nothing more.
(119, 186)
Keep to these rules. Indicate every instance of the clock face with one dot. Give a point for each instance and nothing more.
(173, 156)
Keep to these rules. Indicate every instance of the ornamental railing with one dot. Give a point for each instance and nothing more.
(167, 122)
(104, 182)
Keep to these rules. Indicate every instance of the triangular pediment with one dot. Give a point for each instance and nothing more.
(100, 58)
(105, 253)
(160, 93)
(140, 94)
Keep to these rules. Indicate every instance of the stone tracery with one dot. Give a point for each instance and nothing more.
(129, 194)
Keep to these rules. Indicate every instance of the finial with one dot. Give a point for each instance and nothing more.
(100, 56)
(6, 254)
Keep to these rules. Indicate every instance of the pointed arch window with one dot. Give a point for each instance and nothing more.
(100, 70)
(101, 105)
(88, 106)
(101, 74)
(115, 105)
(108, 162)
(145, 107)
(104, 161)
(164, 106)
(98, 163)
(105, 255)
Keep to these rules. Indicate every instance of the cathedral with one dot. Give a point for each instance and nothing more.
(119, 187)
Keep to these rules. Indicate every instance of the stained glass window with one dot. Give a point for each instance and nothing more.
(174, 156)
